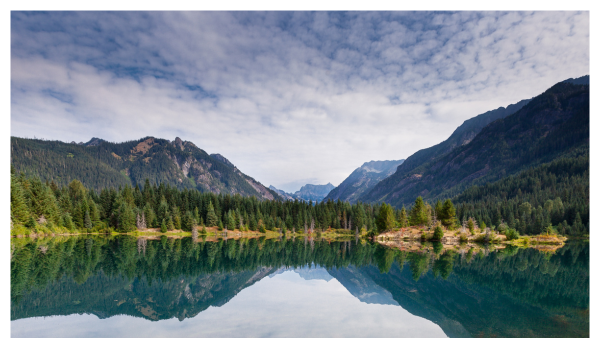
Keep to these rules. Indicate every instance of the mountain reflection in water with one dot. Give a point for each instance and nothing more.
(314, 288)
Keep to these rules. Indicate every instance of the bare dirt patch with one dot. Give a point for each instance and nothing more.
(143, 146)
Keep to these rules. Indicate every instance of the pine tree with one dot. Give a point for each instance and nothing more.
(67, 221)
(385, 220)
(87, 220)
(126, 218)
(149, 215)
(448, 214)
(170, 224)
(418, 213)
(163, 226)
(402, 218)
(18, 207)
(211, 217)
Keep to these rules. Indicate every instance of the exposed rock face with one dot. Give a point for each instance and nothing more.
(178, 143)
(363, 179)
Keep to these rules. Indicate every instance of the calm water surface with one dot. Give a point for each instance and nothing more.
(122, 287)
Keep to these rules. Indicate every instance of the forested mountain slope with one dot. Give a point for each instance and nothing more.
(461, 136)
(363, 179)
(548, 127)
(100, 164)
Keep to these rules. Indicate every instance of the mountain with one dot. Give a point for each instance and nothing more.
(282, 194)
(181, 298)
(362, 180)
(98, 164)
(362, 286)
(314, 192)
(461, 136)
(547, 127)
(584, 80)
(308, 192)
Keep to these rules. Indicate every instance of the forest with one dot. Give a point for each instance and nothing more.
(553, 197)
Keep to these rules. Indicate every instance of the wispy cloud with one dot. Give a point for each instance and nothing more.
(285, 96)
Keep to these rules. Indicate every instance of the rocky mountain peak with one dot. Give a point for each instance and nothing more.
(178, 142)
(94, 142)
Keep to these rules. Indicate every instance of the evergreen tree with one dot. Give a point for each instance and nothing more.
(126, 218)
(163, 226)
(402, 218)
(87, 220)
(211, 217)
(18, 207)
(149, 215)
(67, 221)
(385, 220)
(448, 213)
(418, 213)
(170, 224)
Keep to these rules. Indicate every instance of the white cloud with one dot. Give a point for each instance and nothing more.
(284, 96)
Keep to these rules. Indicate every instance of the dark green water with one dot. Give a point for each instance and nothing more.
(122, 287)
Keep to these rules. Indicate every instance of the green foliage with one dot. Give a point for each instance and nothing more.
(50, 204)
(385, 220)
(448, 213)
(512, 234)
(402, 218)
(211, 218)
(438, 233)
(418, 213)
(19, 211)
(523, 201)
(163, 226)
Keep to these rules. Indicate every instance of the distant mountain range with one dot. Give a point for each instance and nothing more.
(362, 180)
(99, 164)
(308, 192)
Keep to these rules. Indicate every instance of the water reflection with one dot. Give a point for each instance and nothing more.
(339, 288)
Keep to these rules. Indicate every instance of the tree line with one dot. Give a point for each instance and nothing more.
(553, 197)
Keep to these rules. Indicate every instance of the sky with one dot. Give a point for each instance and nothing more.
(290, 98)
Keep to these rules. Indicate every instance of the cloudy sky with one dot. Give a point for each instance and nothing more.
(289, 97)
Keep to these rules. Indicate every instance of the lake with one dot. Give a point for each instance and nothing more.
(293, 287)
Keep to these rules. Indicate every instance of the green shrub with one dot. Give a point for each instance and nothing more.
(511, 234)
(19, 230)
(438, 233)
